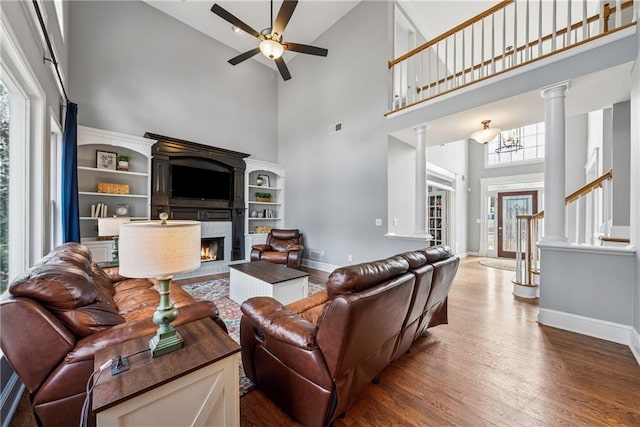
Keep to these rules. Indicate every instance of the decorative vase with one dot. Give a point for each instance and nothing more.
(259, 180)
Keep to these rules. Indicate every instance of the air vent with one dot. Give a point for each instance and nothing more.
(335, 128)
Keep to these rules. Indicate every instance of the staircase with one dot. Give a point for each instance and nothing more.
(589, 209)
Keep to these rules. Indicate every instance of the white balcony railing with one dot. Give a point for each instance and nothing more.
(509, 35)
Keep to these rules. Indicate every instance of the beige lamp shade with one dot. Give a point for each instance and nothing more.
(152, 249)
(111, 226)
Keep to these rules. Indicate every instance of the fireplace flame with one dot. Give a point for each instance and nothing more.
(206, 254)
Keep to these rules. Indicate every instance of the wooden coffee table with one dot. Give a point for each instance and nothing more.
(264, 278)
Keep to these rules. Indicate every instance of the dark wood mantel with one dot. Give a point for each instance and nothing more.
(167, 149)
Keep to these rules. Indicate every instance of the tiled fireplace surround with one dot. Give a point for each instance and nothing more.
(214, 229)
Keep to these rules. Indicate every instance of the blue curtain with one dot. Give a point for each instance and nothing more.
(70, 211)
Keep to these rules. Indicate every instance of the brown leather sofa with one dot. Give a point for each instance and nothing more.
(282, 247)
(64, 309)
(314, 356)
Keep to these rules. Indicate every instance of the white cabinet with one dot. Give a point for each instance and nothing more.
(135, 200)
(263, 213)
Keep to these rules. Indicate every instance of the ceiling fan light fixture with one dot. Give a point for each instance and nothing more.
(485, 134)
(271, 49)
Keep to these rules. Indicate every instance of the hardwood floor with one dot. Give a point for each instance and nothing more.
(491, 365)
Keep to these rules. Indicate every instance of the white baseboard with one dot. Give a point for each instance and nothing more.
(635, 344)
(610, 331)
(317, 265)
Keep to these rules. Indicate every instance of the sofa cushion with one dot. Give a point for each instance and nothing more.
(437, 253)
(356, 278)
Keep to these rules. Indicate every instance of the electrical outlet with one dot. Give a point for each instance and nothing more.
(378, 222)
(349, 258)
(395, 221)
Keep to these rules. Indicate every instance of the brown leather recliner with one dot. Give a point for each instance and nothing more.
(57, 315)
(282, 247)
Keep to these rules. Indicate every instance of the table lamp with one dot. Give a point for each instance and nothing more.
(110, 227)
(160, 249)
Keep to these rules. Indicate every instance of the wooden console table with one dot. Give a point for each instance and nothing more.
(195, 385)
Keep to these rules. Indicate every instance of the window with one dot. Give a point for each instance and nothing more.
(530, 137)
(4, 186)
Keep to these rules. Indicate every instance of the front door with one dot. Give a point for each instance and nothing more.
(510, 205)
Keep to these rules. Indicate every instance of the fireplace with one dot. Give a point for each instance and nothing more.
(217, 196)
(212, 249)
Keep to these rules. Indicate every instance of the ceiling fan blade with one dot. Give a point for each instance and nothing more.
(282, 67)
(244, 56)
(284, 14)
(304, 48)
(230, 18)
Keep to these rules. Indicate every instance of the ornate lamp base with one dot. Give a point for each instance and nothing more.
(166, 339)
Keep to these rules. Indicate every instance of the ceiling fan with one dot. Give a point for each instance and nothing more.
(271, 44)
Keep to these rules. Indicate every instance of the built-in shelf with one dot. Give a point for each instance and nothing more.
(116, 172)
(273, 183)
(93, 193)
(138, 178)
(89, 218)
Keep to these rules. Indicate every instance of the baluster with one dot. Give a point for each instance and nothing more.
(601, 20)
(518, 250)
(568, 23)
(553, 26)
(504, 39)
(493, 43)
(437, 80)
(464, 79)
(473, 49)
(454, 81)
(482, 51)
(526, 32)
(515, 33)
(608, 206)
(446, 64)
(527, 254)
(618, 19)
(539, 27)
(585, 24)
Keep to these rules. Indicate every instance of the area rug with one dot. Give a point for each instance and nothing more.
(501, 263)
(218, 292)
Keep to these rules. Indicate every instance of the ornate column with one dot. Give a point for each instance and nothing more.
(554, 163)
(421, 180)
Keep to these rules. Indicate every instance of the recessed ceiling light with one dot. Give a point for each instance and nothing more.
(235, 29)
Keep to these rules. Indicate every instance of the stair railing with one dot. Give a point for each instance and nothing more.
(510, 34)
(591, 196)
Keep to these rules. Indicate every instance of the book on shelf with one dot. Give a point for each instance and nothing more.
(99, 210)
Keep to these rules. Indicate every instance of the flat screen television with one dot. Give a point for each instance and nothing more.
(190, 182)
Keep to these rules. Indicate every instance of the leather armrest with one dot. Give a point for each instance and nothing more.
(261, 248)
(296, 248)
(87, 347)
(279, 322)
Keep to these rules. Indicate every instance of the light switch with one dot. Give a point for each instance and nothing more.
(378, 222)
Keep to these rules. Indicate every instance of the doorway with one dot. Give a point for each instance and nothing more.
(510, 205)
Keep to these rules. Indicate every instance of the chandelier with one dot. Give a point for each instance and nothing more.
(509, 142)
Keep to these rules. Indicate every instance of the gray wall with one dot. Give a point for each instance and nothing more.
(135, 69)
(621, 165)
(336, 184)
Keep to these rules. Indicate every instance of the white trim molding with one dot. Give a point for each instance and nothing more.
(603, 329)
(317, 265)
(634, 345)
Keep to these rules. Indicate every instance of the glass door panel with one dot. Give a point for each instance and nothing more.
(511, 205)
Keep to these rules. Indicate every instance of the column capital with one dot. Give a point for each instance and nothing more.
(554, 90)
(422, 128)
